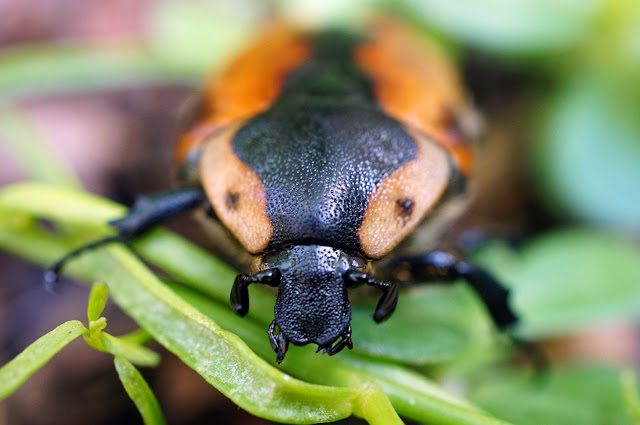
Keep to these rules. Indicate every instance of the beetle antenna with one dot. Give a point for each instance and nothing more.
(51, 274)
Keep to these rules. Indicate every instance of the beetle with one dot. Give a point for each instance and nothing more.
(319, 162)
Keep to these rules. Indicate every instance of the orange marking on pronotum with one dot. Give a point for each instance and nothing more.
(248, 86)
(415, 83)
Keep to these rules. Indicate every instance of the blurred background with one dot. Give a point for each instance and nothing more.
(96, 87)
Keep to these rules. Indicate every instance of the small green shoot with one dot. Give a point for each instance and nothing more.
(18, 370)
(139, 392)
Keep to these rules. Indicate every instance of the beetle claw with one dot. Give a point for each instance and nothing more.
(282, 347)
(272, 336)
(279, 342)
(344, 342)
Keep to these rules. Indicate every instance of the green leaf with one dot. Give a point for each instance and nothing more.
(514, 28)
(323, 14)
(199, 36)
(571, 279)
(66, 204)
(97, 301)
(139, 336)
(57, 67)
(18, 370)
(449, 319)
(630, 394)
(26, 145)
(587, 155)
(585, 396)
(139, 392)
(134, 353)
(96, 326)
(93, 334)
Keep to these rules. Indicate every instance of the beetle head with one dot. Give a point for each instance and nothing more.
(312, 304)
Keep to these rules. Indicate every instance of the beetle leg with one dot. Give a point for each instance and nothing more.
(344, 342)
(443, 266)
(240, 294)
(240, 289)
(389, 300)
(146, 213)
(283, 345)
(279, 342)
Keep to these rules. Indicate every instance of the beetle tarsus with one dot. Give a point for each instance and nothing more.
(440, 266)
(533, 354)
(339, 346)
(50, 279)
(146, 213)
(240, 290)
(282, 349)
(240, 294)
(278, 341)
(52, 273)
(389, 300)
(272, 336)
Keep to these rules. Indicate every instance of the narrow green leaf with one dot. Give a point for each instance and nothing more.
(26, 145)
(92, 336)
(630, 394)
(97, 301)
(65, 204)
(139, 336)
(136, 354)
(204, 273)
(57, 67)
(201, 35)
(18, 370)
(513, 28)
(139, 392)
(96, 326)
(374, 406)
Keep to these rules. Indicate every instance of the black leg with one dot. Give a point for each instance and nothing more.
(146, 213)
(444, 267)
(389, 300)
(240, 289)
